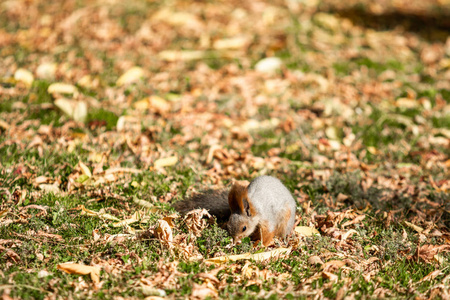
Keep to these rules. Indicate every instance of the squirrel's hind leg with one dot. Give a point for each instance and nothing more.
(263, 234)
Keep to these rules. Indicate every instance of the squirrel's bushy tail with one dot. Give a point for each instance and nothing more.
(215, 201)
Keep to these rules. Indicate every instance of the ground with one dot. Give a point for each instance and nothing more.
(112, 111)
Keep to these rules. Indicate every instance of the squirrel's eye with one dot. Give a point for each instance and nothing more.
(243, 229)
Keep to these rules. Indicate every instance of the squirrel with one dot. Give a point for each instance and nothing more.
(262, 210)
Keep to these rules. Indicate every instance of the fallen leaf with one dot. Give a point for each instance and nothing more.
(46, 71)
(89, 212)
(24, 76)
(232, 43)
(50, 188)
(76, 110)
(432, 275)
(132, 75)
(315, 260)
(158, 104)
(262, 256)
(333, 265)
(134, 218)
(84, 169)
(415, 227)
(73, 268)
(146, 204)
(166, 162)
(203, 291)
(169, 219)
(269, 65)
(164, 232)
(429, 253)
(62, 88)
(306, 231)
(185, 55)
(349, 234)
(354, 221)
(195, 221)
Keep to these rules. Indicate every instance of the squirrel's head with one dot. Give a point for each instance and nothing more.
(240, 226)
(244, 219)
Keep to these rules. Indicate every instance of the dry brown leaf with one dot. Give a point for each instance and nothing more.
(73, 268)
(164, 232)
(429, 253)
(203, 291)
(10, 254)
(333, 265)
(432, 275)
(356, 220)
(169, 219)
(195, 221)
(315, 260)
(50, 236)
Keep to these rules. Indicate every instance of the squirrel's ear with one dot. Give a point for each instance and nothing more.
(237, 199)
(246, 205)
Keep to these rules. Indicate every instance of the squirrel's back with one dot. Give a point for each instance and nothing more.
(273, 201)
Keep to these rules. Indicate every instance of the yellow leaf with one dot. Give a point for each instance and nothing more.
(76, 110)
(160, 105)
(257, 256)
(134, 218)
(349, 234)
(132, 75)
(24, 76)
(232, 43)
(147, 204)
(92, 213)
(142, 104)
(46, 70)
(62, 88)
(306, 231)
(3, 213)
(166, 162)
(185, 55)
(79, 269)
(415, 227)
(373, 150)
(135, 184)
(84, 169)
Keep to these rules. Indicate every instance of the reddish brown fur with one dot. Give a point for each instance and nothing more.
(238, 194)
(263, 234)
(282, 223)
